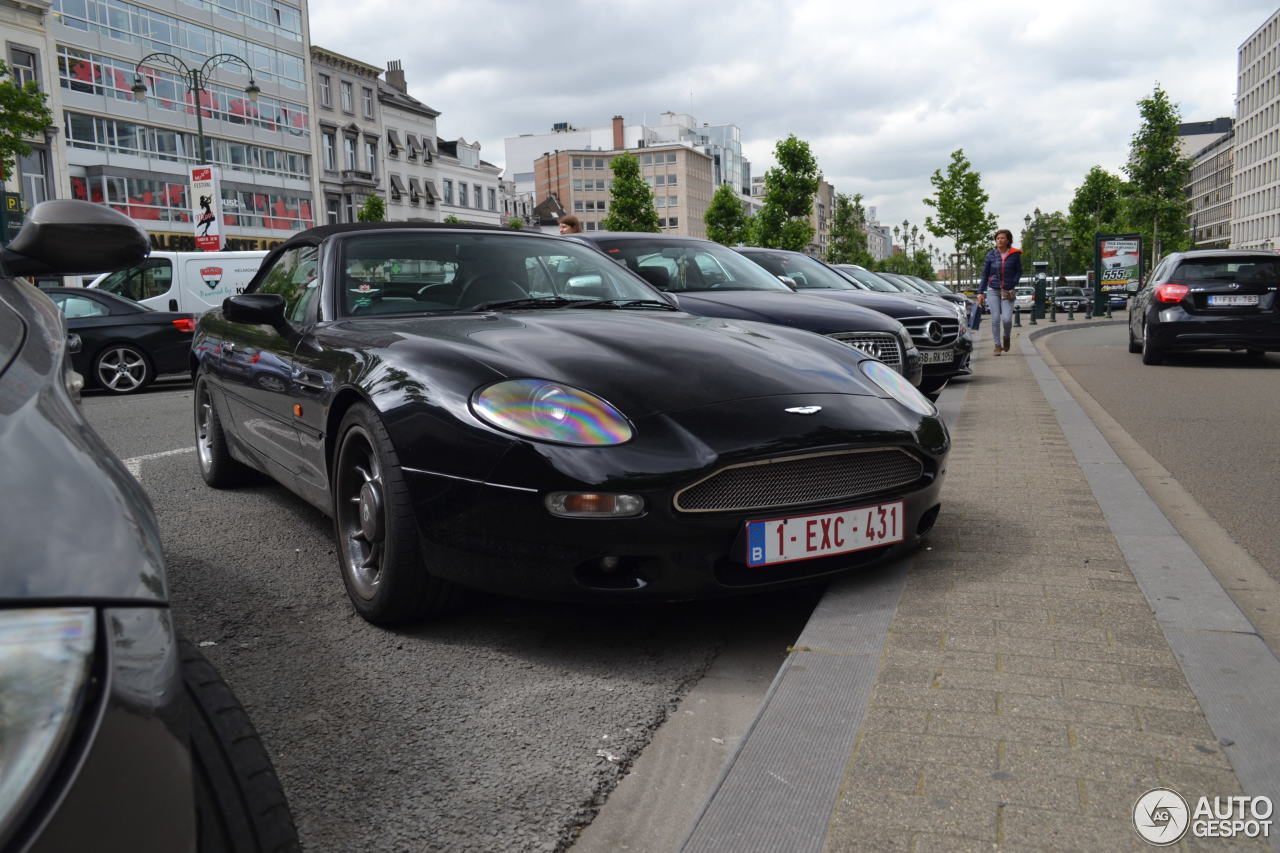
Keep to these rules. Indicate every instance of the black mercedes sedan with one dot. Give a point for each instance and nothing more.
(481, 407)
(705, 278)
(124, 345)
(939, 332)
(115, 733)
(1208, 299)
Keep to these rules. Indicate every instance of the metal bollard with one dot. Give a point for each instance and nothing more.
(1053, 311)
(1017, 317)
(1071, 311)
(1033, 315)
(1108, 309)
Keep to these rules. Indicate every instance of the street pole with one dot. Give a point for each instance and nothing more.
(195, 80)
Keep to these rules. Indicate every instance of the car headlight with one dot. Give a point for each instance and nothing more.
(45, 657)
(898, 388)
(550, 411)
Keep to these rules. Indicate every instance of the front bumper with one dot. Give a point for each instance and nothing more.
(499, 536)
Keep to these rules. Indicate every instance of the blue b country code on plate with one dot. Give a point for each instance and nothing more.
(805, 537)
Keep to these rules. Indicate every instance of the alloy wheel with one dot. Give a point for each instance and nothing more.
(122, 369)
(204, 437)
(361, 513)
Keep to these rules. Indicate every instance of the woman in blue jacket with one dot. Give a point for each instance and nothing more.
(1001, 272)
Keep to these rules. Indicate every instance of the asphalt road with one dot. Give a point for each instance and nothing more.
(1210, 418)
(501, 728)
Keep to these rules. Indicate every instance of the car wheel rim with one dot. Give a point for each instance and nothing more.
(204, 416)
(122, 369)
(361, 512)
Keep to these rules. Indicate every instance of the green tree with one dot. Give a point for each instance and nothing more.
(848, 243)
(374, 209)
(23, 114)
(515, 223)
(451, 220)
(725, 218)
(1155, 199)
(789, 188)
(631, 201)
(962, 215)
(1097, 206)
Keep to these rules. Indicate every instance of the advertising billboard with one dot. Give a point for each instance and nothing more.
(1117, 261)
(206, 208)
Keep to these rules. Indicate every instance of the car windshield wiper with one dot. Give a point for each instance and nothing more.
(530, 302)
(628, 303)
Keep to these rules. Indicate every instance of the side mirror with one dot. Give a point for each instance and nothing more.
(1133, 286)
(69, 236)
(588, 281)
(257, 309)
(789, 282)
(74, 344)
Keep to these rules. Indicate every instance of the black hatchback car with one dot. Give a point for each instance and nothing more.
(115, 733)
(1207, 299)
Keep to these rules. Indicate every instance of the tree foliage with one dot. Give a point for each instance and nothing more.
(23, 115)
(789, 188)
(848, 237)
(961, 206)
(451, 220)
(515, 223)
(1098, 206)
(1155, 199)
(631, 201)
(374, 209)
(725, 218)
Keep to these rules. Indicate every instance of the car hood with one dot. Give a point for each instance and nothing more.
(798, 310)
(886, 303)
(641, 362)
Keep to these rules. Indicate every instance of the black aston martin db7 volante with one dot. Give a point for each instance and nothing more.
(489, 408)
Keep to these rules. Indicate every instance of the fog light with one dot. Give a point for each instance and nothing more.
(609, 564)
(594, 505)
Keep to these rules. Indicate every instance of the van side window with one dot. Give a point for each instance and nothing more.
(294, 276)
(152, 277)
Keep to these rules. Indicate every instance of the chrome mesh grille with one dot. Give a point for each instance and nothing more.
(881, 345)
(798, 480)
(918, 328)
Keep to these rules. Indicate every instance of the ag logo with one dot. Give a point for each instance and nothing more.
(1161, 816)
(212, 276)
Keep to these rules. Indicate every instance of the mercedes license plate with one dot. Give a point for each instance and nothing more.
(1233, 299)
(804, 537)
(937, 356)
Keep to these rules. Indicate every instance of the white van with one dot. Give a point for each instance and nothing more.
(192, 282)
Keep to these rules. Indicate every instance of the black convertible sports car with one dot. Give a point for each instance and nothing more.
(490, 408)
(115, 733)
(124, 345)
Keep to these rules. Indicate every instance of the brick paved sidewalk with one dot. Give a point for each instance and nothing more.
(1026, 696)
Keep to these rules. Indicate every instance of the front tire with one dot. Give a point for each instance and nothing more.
(240, 804)
(1151, 354)
(379, 548)
(1134, 346)
(217, 468)
(122, 369)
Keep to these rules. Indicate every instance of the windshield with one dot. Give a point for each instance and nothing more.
(152, 277)
(1069, 291)
(421, 271)
(689, 266)
(908, 286)
(1257, 269)
(807, 273)
(868, 278)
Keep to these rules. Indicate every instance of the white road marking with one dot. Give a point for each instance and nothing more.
(135, 464)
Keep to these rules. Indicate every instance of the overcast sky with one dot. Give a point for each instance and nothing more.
(1034, 93)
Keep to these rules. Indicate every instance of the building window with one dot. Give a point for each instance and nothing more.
(367, 95)
(448, 191)
(590, 226)
(349, 204)
(577, 184)
(674, 222)
(331, 210)
(330, 153)
(349, 152)
(599, 162)
(671, 180)
(671, 156)
(371, 156)
(493, 199)
(577, 162)
(660, 180)
(22, 65)
(577, 205)
(478, 196)
(462, 194)
(326, 93)
(348, 102)
(646, 160)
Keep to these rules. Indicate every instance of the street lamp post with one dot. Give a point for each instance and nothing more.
(195, 79)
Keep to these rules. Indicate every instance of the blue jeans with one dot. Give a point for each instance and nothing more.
(1001, 315)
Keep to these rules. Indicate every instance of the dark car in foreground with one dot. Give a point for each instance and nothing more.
(124, 345)
(1207, 299)
(938, 331)
(117, 734)
(710, 280)
(544, 423)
